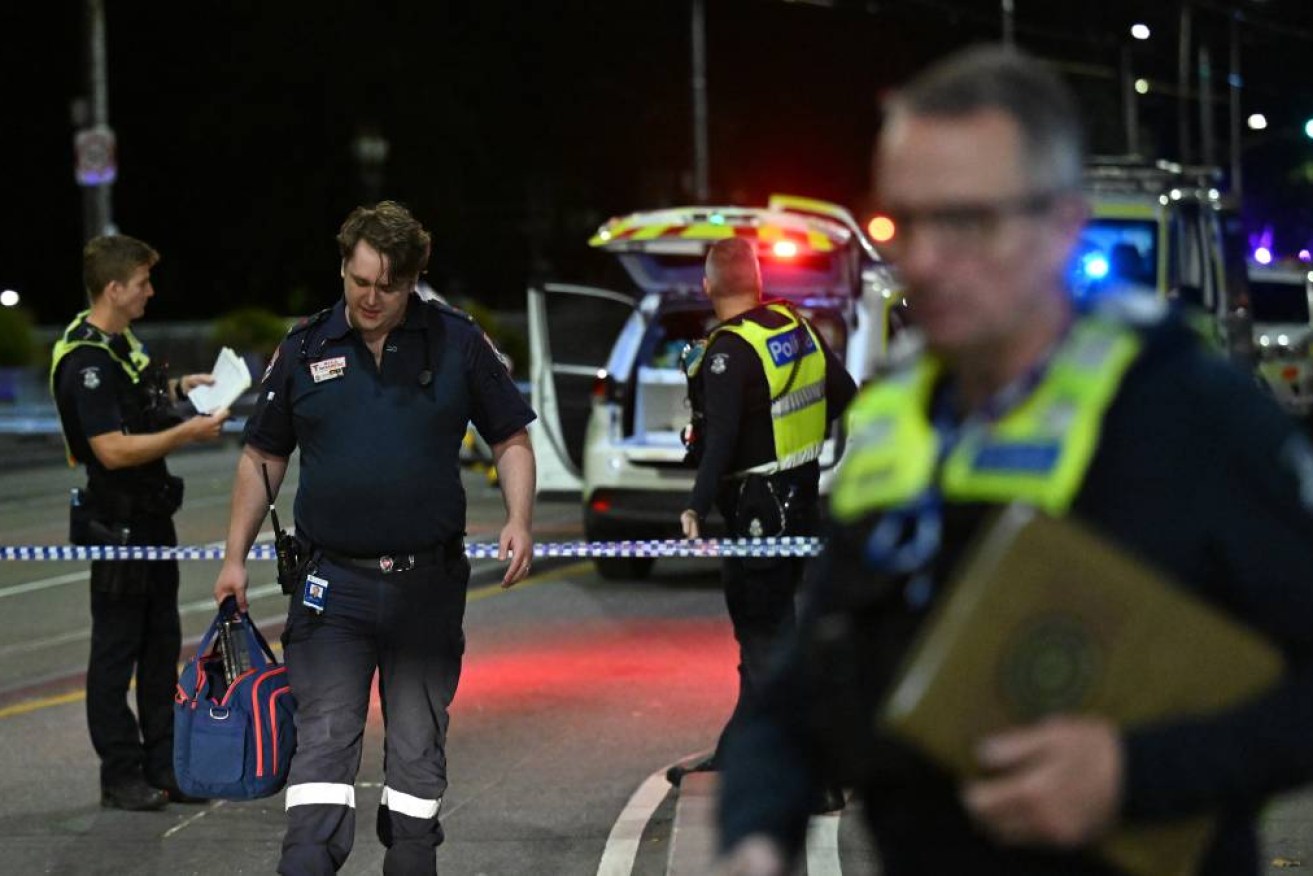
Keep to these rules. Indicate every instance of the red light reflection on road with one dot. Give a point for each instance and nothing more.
(590, 660)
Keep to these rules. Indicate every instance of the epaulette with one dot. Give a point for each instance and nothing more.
(444, 307)
(309, 321)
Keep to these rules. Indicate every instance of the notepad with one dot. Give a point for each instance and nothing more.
(1046, 616)
(231, 379)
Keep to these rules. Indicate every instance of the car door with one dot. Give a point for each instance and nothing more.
(572, 330)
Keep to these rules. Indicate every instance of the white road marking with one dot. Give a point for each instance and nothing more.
(200, 606)
(188, 822)
(73, 577)
(823, 845)
(627, 832)
(43, 584)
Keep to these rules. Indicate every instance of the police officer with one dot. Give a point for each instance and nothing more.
(377, 392)
(765, 390)
(1116, 417)
(116, 410)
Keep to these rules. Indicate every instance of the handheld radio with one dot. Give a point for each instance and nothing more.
(285, 547)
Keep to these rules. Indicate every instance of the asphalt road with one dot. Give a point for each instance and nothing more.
(576, 694)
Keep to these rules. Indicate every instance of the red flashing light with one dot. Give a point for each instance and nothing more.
(785, 249)
(600, 504)
(881, 229)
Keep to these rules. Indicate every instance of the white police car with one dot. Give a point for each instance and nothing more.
(605, 372)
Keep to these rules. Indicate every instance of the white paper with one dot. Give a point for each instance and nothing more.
(231, 379)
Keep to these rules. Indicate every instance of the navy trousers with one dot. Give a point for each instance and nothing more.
(760, 591)
(134, 629)
(407, 626)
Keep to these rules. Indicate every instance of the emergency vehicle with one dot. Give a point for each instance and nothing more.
(605, 364)
(1167, 230)
(1282, 301)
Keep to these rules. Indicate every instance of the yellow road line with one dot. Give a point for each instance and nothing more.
(43, 703)
(27, 706)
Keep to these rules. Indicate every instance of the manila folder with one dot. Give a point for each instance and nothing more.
(1045, 617)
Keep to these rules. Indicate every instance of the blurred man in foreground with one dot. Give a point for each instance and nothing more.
(1119, 419)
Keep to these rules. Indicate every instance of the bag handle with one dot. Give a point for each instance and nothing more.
(257, 647)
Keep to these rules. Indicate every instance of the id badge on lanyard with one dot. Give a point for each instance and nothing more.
(315, 593)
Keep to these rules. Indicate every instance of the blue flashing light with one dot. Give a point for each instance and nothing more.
(1263, 255)
(716, 219)
(1094, 266)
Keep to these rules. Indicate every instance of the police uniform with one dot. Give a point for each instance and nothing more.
(380, 513)
(106, 383)
(1130, 427)
(768, 387)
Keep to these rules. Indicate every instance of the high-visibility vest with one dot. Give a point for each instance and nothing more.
(795, 374)
(1038, 452)
(133, 366)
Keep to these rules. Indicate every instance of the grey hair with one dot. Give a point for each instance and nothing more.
(999, 78)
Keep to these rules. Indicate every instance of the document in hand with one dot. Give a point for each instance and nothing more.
(231, 379)
(1047, 617)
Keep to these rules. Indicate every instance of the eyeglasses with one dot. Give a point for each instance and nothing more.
(965, 226)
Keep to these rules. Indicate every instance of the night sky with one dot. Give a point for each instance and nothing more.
(516, 127)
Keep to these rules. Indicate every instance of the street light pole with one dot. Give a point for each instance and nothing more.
(1130, 105)
(96, 202)
(1236, 83)
(1183, 86)
(701, 147)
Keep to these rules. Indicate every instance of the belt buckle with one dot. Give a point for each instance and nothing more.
(398, 563)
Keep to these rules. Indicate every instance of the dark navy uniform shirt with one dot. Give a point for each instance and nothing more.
(380, 453)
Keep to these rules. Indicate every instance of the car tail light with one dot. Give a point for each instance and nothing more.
(603, 386)
(600, 504)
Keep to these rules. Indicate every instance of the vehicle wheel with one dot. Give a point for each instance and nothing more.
(623, 568)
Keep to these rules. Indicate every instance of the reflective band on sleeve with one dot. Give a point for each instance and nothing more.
(325, 793)
(408, 804)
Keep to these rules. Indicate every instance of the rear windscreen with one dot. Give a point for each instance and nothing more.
(1275, 301)
(782, 277)
(1115, 253)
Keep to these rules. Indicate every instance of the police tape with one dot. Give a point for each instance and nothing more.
(784, 546)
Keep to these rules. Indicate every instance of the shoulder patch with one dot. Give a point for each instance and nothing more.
(91, 377)
(718, 363)
(501, 357)
(273, 360)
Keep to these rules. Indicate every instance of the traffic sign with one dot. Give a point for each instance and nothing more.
(95, 160)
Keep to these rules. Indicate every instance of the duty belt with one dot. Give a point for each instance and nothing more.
(397, 562)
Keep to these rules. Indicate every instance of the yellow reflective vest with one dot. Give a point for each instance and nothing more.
(1038, 452)
(795, 374)
(133, 366)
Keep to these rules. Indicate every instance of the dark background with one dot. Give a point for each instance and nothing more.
(515, 128)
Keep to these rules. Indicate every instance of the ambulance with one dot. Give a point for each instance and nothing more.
(1168, 231)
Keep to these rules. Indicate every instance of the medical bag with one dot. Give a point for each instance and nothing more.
(233, 731)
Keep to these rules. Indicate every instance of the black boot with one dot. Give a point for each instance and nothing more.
(133, 795)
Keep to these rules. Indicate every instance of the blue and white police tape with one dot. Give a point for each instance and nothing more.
(786, 546)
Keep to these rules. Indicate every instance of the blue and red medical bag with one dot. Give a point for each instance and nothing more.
(233, 740)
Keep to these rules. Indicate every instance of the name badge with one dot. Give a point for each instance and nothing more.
(327, 369)
(316, 593)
